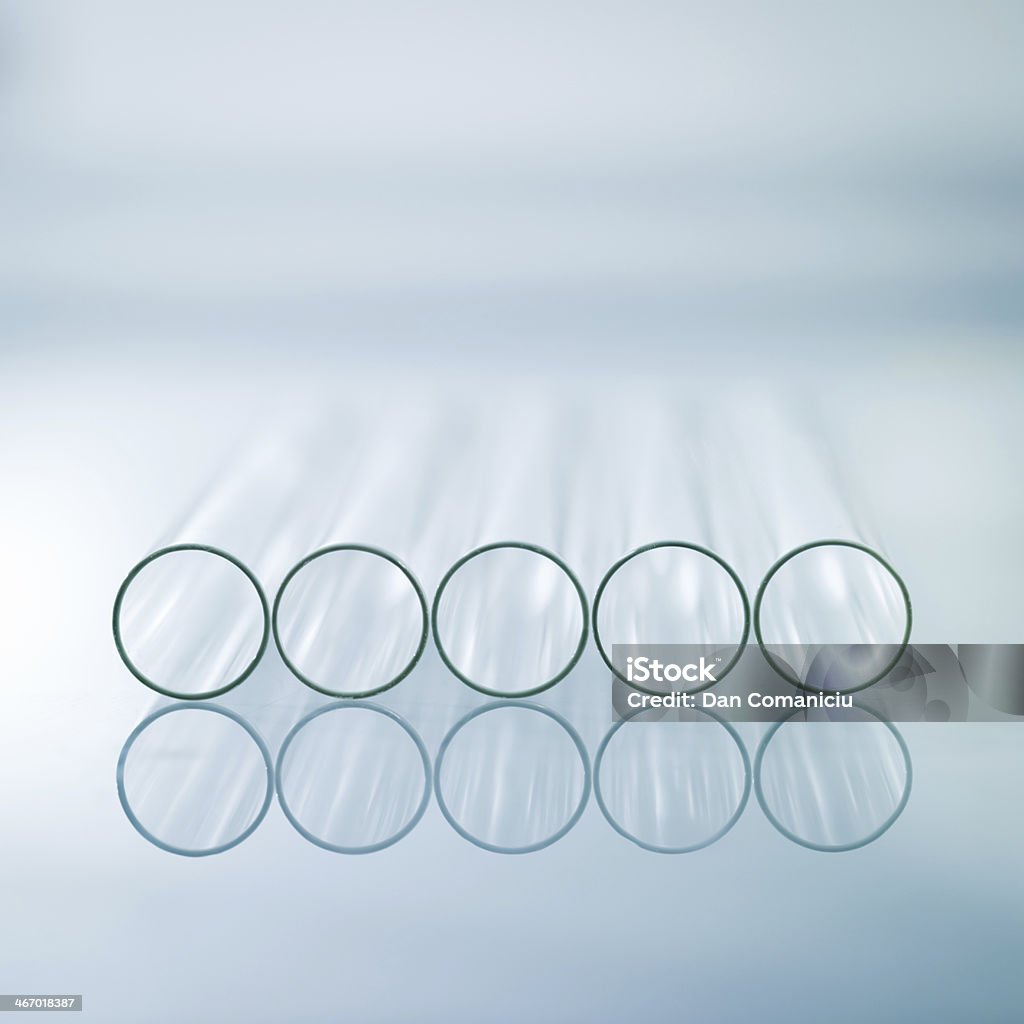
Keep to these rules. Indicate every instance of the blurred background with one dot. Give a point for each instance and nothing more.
(588, 276)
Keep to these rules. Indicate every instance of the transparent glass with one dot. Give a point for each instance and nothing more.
(350, 621)
(194, 780)
(673, 786)
(834, 784)
(353, 778)
(512, 778)
(191, 622)
(510, 621)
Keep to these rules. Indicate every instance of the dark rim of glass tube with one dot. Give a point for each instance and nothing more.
(776, 663)
(372, 690)
(686, 546)
(152, 684)
(519, 546)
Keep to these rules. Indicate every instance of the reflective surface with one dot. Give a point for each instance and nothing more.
(195, 780)
(585, 276)
(353, 778)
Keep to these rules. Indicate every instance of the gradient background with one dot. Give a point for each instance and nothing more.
(211, 215)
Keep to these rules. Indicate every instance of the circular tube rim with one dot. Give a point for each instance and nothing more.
(122, 794)
(382, 844)
(520, 546)
(856, 546)
(417, 590)
(653, 847)
(573, 735)
(686, 545)
(138, 673)
(835, 847)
